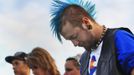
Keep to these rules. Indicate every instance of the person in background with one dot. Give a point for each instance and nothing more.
(72, 66)
(19, 63)
(108, 51)
(41, 62)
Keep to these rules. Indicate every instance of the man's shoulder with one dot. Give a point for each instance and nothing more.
(120, 29)
(84, 53)
(112, 31)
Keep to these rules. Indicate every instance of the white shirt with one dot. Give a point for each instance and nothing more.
(96, 54)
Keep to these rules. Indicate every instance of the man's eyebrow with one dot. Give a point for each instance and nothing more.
(68, 69)
(73, 36)
(69, 37)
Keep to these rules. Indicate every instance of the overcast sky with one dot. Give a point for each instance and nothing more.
(24, 25)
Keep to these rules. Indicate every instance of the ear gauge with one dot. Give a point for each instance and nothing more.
(84, 26)
(89, 27)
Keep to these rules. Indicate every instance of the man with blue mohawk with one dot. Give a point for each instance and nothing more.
(107, 51)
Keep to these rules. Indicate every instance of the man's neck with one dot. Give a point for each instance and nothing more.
(99, 33)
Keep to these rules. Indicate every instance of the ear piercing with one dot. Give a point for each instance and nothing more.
(89, 27)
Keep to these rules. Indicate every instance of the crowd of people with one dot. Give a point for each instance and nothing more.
(41, 62)
(108, 51)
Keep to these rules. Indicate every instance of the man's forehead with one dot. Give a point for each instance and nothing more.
(69, 62)
(17, 60)
(67, 30)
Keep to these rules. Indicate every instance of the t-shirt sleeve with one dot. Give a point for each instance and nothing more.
(124, 42)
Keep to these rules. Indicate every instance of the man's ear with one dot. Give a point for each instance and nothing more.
(86, 23)
(85, 20)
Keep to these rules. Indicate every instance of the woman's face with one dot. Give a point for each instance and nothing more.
(38, 71)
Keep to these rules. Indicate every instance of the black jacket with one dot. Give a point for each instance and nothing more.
(107, 64)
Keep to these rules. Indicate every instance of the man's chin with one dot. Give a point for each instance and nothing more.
(87, 48)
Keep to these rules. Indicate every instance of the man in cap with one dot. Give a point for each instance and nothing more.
(19, 63)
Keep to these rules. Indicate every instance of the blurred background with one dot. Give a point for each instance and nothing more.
(25, 24)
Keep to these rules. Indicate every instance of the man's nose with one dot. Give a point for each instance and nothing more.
(13, 67)
(33, 70)
(75, 42)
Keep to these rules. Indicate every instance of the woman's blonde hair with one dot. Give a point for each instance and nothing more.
(41, 58)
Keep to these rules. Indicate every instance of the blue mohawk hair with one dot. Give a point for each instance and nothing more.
(59, 6)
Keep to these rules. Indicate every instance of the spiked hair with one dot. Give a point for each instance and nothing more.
(58, 8)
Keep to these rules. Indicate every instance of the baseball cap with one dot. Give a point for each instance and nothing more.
(17, 55)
